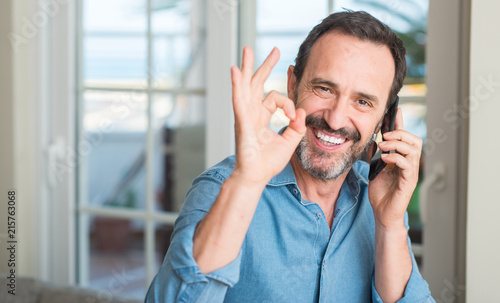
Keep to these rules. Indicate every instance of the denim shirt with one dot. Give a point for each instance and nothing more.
(289, 254)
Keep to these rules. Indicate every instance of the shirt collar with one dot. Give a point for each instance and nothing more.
(355, 177)
(286, 176)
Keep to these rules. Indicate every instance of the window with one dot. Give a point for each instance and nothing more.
(141, 119)
(141, 116)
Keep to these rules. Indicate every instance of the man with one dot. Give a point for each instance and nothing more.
(292, 218)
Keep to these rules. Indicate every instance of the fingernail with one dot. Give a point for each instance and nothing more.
(384, 155)
(387, 133)
(382, 143)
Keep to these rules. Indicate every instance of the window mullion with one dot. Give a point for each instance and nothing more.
(149, 245)
(173, 91)
(82, 220)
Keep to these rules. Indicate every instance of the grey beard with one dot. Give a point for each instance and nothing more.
(307, 153)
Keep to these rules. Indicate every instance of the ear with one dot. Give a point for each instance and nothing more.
(382, 123)
(385, 121)
(292, 81)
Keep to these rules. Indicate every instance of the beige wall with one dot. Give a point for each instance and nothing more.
(483, 229)
(6, 125)
(20, 154)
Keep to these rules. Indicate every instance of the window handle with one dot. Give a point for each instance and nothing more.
(55, 155)
(436, 181)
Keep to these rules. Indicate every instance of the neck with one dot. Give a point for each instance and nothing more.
(324, 193)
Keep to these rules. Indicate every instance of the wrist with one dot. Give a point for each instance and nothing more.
(390, 236)
(394, 227)
(249, 180)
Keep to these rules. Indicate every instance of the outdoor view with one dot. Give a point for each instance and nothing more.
(142, 77)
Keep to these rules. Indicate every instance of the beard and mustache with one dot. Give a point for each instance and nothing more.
(330, 165)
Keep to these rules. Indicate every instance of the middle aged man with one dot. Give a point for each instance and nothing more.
(293, 218)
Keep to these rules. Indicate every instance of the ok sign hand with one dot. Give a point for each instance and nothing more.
(261, 153)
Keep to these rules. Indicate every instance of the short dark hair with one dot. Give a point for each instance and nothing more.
(365, 27)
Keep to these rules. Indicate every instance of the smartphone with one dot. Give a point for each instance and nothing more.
(377, 165)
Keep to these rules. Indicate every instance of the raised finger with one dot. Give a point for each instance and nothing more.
(235, 81)
(247, 63)
(264, 70)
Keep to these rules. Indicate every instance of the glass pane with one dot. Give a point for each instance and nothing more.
(114, 43)
(178, 46)
(116, 257)
(179, 129)
(293, 15)
(120, 16)
(114, 129)
(286, 31)
(115, 61)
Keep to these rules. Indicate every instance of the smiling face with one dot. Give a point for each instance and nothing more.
(344, 91)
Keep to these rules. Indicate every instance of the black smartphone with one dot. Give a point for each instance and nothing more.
(377, 165)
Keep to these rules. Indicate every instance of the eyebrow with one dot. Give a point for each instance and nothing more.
(331, 84)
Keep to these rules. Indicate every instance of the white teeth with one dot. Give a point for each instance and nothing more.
(328, 139)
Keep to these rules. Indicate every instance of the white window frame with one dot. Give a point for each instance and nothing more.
(221, 21)
(50, 234)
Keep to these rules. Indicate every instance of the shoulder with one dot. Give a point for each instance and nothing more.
(220, 171)
(206, 187)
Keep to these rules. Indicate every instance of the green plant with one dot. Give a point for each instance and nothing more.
(129, 200)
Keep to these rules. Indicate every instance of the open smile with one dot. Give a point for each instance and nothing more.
(327, 140)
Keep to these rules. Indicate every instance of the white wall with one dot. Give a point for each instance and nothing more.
(483, 230)
(20, 115)
(6, 126)
(221, 54)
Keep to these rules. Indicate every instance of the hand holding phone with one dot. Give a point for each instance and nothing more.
(388, 124)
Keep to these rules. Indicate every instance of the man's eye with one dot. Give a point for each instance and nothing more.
(363, 102)
(323, 89)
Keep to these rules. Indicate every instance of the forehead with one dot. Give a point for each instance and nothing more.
(351, 62)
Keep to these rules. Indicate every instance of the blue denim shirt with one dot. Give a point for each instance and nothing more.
(290, 254)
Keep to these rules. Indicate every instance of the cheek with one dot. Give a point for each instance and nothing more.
(366, 126)
(311, 103)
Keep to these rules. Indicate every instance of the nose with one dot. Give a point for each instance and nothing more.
(337, 114)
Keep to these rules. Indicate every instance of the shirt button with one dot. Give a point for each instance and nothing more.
(295, 191)
(318, 215)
